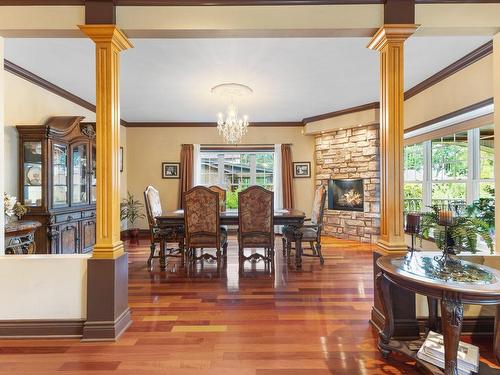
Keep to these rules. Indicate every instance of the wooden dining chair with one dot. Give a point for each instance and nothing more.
(172, 234)
(222, 196)
(202, 224)
(310, 233)
(256, 223)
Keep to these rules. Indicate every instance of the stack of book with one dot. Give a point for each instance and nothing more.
(432, 351)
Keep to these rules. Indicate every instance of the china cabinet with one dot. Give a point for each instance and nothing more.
(58, 183)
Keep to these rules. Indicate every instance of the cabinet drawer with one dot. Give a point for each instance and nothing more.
(89, 213)
(68, 217)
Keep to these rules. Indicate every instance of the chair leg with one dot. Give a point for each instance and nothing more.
(151, 254)
(318, 249)
(313, 248)
(283, 239)
(224, 250)
(288, 250)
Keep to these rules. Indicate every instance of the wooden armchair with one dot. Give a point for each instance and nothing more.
(256, 223)
(310, 232)
(202, 223)
(173, 234)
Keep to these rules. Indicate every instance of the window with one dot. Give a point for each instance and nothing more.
(236, 170)
(414, 177)
(453, 170)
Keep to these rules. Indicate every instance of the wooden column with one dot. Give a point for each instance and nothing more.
(389, 41)
(108, 314)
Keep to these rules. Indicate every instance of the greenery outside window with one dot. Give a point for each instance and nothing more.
(453, 170)
(236, 170)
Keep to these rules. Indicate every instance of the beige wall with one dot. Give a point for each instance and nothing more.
(147, 148)
(468, 86)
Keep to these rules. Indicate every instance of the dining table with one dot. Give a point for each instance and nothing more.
(292, 218)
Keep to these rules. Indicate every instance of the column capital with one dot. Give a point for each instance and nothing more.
(107, 34)
(391, 33)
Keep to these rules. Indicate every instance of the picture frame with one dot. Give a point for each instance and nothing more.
(121, 159)
(170, 170)
(302, 169)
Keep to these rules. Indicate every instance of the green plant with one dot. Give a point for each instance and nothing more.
(232, 198)
(484, 209)
(461, 234)
(130, 209)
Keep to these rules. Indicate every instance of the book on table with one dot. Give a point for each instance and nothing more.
(432, 351)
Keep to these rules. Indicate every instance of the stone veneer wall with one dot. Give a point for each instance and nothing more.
(351, 153)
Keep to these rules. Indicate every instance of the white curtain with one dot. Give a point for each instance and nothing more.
(196, 164)
(278, 181)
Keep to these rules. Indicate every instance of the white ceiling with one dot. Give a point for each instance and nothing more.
(170, 79)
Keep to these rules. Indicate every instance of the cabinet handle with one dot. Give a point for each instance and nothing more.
(69, 218)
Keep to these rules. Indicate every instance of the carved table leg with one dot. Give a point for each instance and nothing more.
(433, 314)
(163, 258)
(496, 349)
(383, 286)
(452, 313)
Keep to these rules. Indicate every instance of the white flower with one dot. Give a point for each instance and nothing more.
(9, 202)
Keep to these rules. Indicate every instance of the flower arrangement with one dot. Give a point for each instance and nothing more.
(12, 207)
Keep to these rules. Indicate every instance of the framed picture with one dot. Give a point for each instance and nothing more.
(302, 169)
(170, 170)
(121, 159)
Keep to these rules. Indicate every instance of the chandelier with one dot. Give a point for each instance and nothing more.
(229, 124)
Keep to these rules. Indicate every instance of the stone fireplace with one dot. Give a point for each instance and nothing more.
(351, 154)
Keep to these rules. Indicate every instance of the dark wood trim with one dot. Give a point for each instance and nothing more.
(232, 2)
(41, 328)
(451, 69)
(100, 12)
(399, 12)
(450, 115)
(472, 325)
(324, 116)
(131, 124)
(39, 81)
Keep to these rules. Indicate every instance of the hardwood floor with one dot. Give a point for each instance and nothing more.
(203, 321)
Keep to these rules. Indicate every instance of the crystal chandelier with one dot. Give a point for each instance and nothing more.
(229, 124)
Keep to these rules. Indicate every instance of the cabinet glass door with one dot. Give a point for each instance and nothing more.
(93, 178)
(32, 153)
(79, 176)
(59, 175)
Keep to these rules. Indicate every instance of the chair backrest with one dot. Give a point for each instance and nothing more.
(153, 205)
(255, 212)
(222, 196)
(318, 205)
(201, 217)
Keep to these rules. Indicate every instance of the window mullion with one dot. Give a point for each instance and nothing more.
(253, 170)
(474, 164)
(427, 182)
(220, 163)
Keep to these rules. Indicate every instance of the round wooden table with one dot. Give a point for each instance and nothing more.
(422, 274)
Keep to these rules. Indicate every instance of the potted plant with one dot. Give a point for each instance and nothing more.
(131, 211)
(12, 208)
(459, 234)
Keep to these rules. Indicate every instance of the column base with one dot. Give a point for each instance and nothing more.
(108, 314)
(386, 247)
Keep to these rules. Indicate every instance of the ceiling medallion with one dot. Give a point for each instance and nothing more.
(229, 124)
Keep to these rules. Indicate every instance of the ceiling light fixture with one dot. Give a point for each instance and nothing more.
(229, 124)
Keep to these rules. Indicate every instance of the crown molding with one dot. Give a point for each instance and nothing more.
(131, 124)
(49, 86)
(346, 111)
(451, 69)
